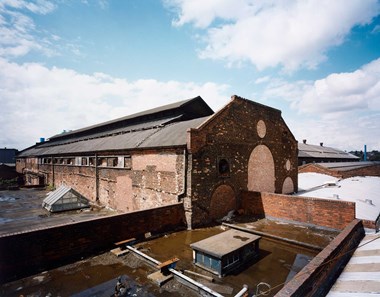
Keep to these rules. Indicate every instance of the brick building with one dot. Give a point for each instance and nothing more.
(178, 152)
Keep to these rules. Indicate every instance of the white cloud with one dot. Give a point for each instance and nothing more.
(37, 101)
(18, 32)
(342, 108)
(290, 34)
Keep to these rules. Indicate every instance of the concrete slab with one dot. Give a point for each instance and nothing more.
(158, 278)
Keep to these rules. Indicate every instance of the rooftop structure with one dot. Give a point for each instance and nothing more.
(64, 198)
(226, 251)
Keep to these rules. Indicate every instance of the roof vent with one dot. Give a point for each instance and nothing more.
(369, 201)
(304, 141)
(336, 196)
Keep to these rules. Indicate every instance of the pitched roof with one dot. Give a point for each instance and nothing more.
(164, 126)
(322, 152)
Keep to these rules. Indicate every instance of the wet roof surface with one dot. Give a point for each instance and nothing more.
(224, 243)
(22, 211)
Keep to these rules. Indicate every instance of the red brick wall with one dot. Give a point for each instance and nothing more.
(156, 178)
(318, 169)
(373, 170)
(321, 212)
(27, 253)
(317, 278)
(232, 134)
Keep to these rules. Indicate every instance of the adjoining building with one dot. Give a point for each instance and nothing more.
(181, 152)
(8, 156)
(309, 153)
(225, 252)
(343, 169)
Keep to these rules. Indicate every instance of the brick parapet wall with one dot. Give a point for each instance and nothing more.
(26, 253)
(317, 278)
(372, 170)
(321, 212)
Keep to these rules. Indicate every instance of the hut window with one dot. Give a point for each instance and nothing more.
(224, 167)
(91, 161)
(70, 161)
(84, 161)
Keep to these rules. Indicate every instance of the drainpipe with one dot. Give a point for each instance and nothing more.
(184, 182)
(52, 169)
(96, 179)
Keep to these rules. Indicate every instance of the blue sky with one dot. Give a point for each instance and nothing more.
(66, 64)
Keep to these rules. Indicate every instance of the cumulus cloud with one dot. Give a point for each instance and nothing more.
(337, 92)
(342, 108)
(38, 101)
(289, 34)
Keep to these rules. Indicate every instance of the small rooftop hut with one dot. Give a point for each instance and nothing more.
(224, 252)
(64, 198)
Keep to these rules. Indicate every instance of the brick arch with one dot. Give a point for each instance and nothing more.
(288, 186)
(261, 172)
(222, 201)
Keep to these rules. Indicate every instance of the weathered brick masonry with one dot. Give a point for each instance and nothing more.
(321, 212)
(180, 152)
(27, 253)
(255, 143)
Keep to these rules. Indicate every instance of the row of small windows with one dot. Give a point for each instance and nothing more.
(120, 162)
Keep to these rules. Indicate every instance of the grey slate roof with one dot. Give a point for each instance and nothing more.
(322, 152)
(170, 135)
(164, 126)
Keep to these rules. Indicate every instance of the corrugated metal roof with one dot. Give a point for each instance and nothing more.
(173, 134)
(318, 151)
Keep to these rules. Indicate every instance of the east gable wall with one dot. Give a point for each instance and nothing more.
(232, 134)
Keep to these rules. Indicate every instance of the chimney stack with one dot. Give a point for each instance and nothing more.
(321, 143)
(304, 141)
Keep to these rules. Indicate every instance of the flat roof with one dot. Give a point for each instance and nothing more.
(363, 190)
(224, 243)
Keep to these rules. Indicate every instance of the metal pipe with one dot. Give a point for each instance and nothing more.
(177, 273)
(193, 282)
(242, 291)
(145, 256)
(209, 278)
